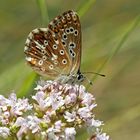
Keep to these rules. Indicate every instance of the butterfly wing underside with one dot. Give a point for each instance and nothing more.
(55, 50)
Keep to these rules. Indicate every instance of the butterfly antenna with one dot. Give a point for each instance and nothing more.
(94, 73)
(90, 82)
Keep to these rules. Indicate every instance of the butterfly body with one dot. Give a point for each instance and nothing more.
(71, 79)
(55, 51)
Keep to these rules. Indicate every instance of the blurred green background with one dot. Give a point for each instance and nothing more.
(110, 45)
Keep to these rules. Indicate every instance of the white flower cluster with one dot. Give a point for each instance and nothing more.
(55, 113)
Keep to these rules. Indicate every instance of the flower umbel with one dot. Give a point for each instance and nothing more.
(58, 110)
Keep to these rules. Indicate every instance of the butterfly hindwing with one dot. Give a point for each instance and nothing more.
(55, 50)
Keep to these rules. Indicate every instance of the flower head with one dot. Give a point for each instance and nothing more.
(56, 112)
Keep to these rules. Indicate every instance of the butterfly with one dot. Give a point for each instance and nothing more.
(55, 51)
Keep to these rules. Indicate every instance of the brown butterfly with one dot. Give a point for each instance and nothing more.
(56, 51)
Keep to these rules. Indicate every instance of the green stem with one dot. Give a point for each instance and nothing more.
(85, 7)
(43, 11)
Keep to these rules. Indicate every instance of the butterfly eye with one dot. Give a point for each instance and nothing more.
(71, 29)
(73, 54)
(68, 17)
(74, 17)
(63, 42)
(67, 30)
(64, 61)
(72, 45)
(55, 46)
(62, 52)
(40, 62)
(43, 51)
(45, 42)
(76, 32)
(51, 67)
(71, 51)
(44, 57)
(64, 36)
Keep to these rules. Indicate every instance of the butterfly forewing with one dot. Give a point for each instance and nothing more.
(73, 32)
(56, 50)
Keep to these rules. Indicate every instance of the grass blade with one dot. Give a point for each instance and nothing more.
(43, 11)
(85, 7)
(27, 84)
(118, 47)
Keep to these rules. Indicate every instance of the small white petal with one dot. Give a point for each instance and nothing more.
(70, 117)
(84, 112)
(102, 136)
(4, 132)
(70, 133)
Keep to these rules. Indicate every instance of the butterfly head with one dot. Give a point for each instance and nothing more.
(80, 77)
